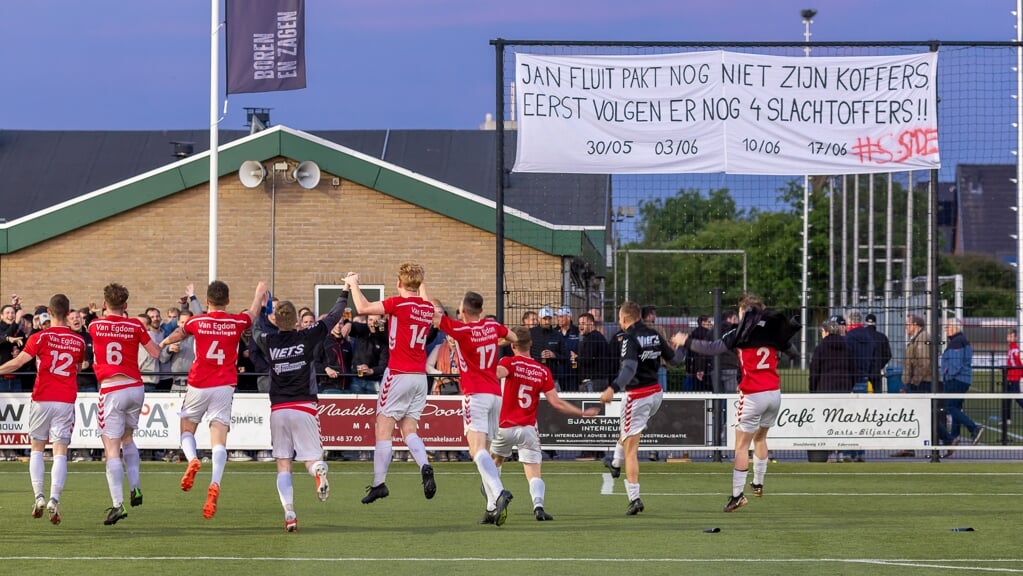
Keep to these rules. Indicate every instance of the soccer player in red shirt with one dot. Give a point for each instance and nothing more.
(759, 337)
(115, 343)
(212, 380)
(402, 395)
(481, 406)
(525, 380)
(58, 352)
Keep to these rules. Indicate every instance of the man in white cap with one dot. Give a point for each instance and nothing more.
(548, 345)
(564, 371)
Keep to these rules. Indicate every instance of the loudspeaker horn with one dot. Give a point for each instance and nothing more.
(251, 173)
(307, 174)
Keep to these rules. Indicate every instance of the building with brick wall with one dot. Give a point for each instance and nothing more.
(64, 232)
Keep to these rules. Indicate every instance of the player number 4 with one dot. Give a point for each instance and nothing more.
(215, 353)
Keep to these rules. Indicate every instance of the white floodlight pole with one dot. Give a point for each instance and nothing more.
(1019, 165)
(214, 136)
(804, 299)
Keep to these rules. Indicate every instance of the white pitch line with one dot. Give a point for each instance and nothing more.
(953, 564)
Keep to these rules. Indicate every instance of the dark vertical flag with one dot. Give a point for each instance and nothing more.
(265, 45)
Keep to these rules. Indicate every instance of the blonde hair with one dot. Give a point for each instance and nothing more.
(410, 275)
(631, 310)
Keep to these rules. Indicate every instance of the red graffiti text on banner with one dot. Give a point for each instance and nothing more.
(896, 148)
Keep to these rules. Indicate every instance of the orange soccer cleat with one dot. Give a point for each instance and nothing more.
(189, 478)
(211, 501)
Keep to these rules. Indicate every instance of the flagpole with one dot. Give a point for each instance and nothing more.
(214, 136)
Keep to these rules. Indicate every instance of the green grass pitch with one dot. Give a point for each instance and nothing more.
(873, 518)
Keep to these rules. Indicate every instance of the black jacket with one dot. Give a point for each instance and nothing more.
(831, 366)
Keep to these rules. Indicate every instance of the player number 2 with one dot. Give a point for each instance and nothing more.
(61, 362)
(215, 353)
(763, 355)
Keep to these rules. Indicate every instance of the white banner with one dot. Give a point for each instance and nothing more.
(847, 422)
(159, 424)
(725, 112)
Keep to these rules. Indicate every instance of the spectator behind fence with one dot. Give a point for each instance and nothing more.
(178, 357)
(1013, 374)
(916, 370)
(698, 366)
(729, 360)
(594, 360)
(442, 364)
(861, 347)
(548, 345)
(333, 359)
(86, 376)
(831, 366)
(882, 353)
(957, 376)
(369, 353)
(564, 371)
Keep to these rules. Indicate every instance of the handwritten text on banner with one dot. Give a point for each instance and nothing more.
(726, 112)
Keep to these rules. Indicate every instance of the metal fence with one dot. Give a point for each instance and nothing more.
(888, 244)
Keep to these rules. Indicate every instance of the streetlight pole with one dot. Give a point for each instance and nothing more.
(804, 300)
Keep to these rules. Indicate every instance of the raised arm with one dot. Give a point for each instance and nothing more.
(362, 305)
(258, 301)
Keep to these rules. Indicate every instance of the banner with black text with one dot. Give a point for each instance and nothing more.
(265, 45)
(726, 112)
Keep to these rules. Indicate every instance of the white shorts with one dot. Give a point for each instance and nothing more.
(758, 410)
(402, 395)
(295, 433)
(51, 421)
(527, 438)
(637, 413)
(481, 413)
(214, 403)
(119, 410)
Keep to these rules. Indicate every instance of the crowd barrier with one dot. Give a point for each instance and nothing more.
(691, 422)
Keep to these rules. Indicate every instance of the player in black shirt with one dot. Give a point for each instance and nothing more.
(641, 350)
(294, 428)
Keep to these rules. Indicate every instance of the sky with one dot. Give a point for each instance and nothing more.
(389, 64)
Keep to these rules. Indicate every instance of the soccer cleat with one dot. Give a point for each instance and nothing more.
(210, 508)
(616, 471)
(736, 502)
(501, 513)
(758, 489)
(115, 513)
(429, 484)
(635, 507)
(38, 506)
(541, 515)
(189, 478)
(290, 523)
(374, 493)
(53, 511)
(488, 517)
(136, 497)
(322, 485)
